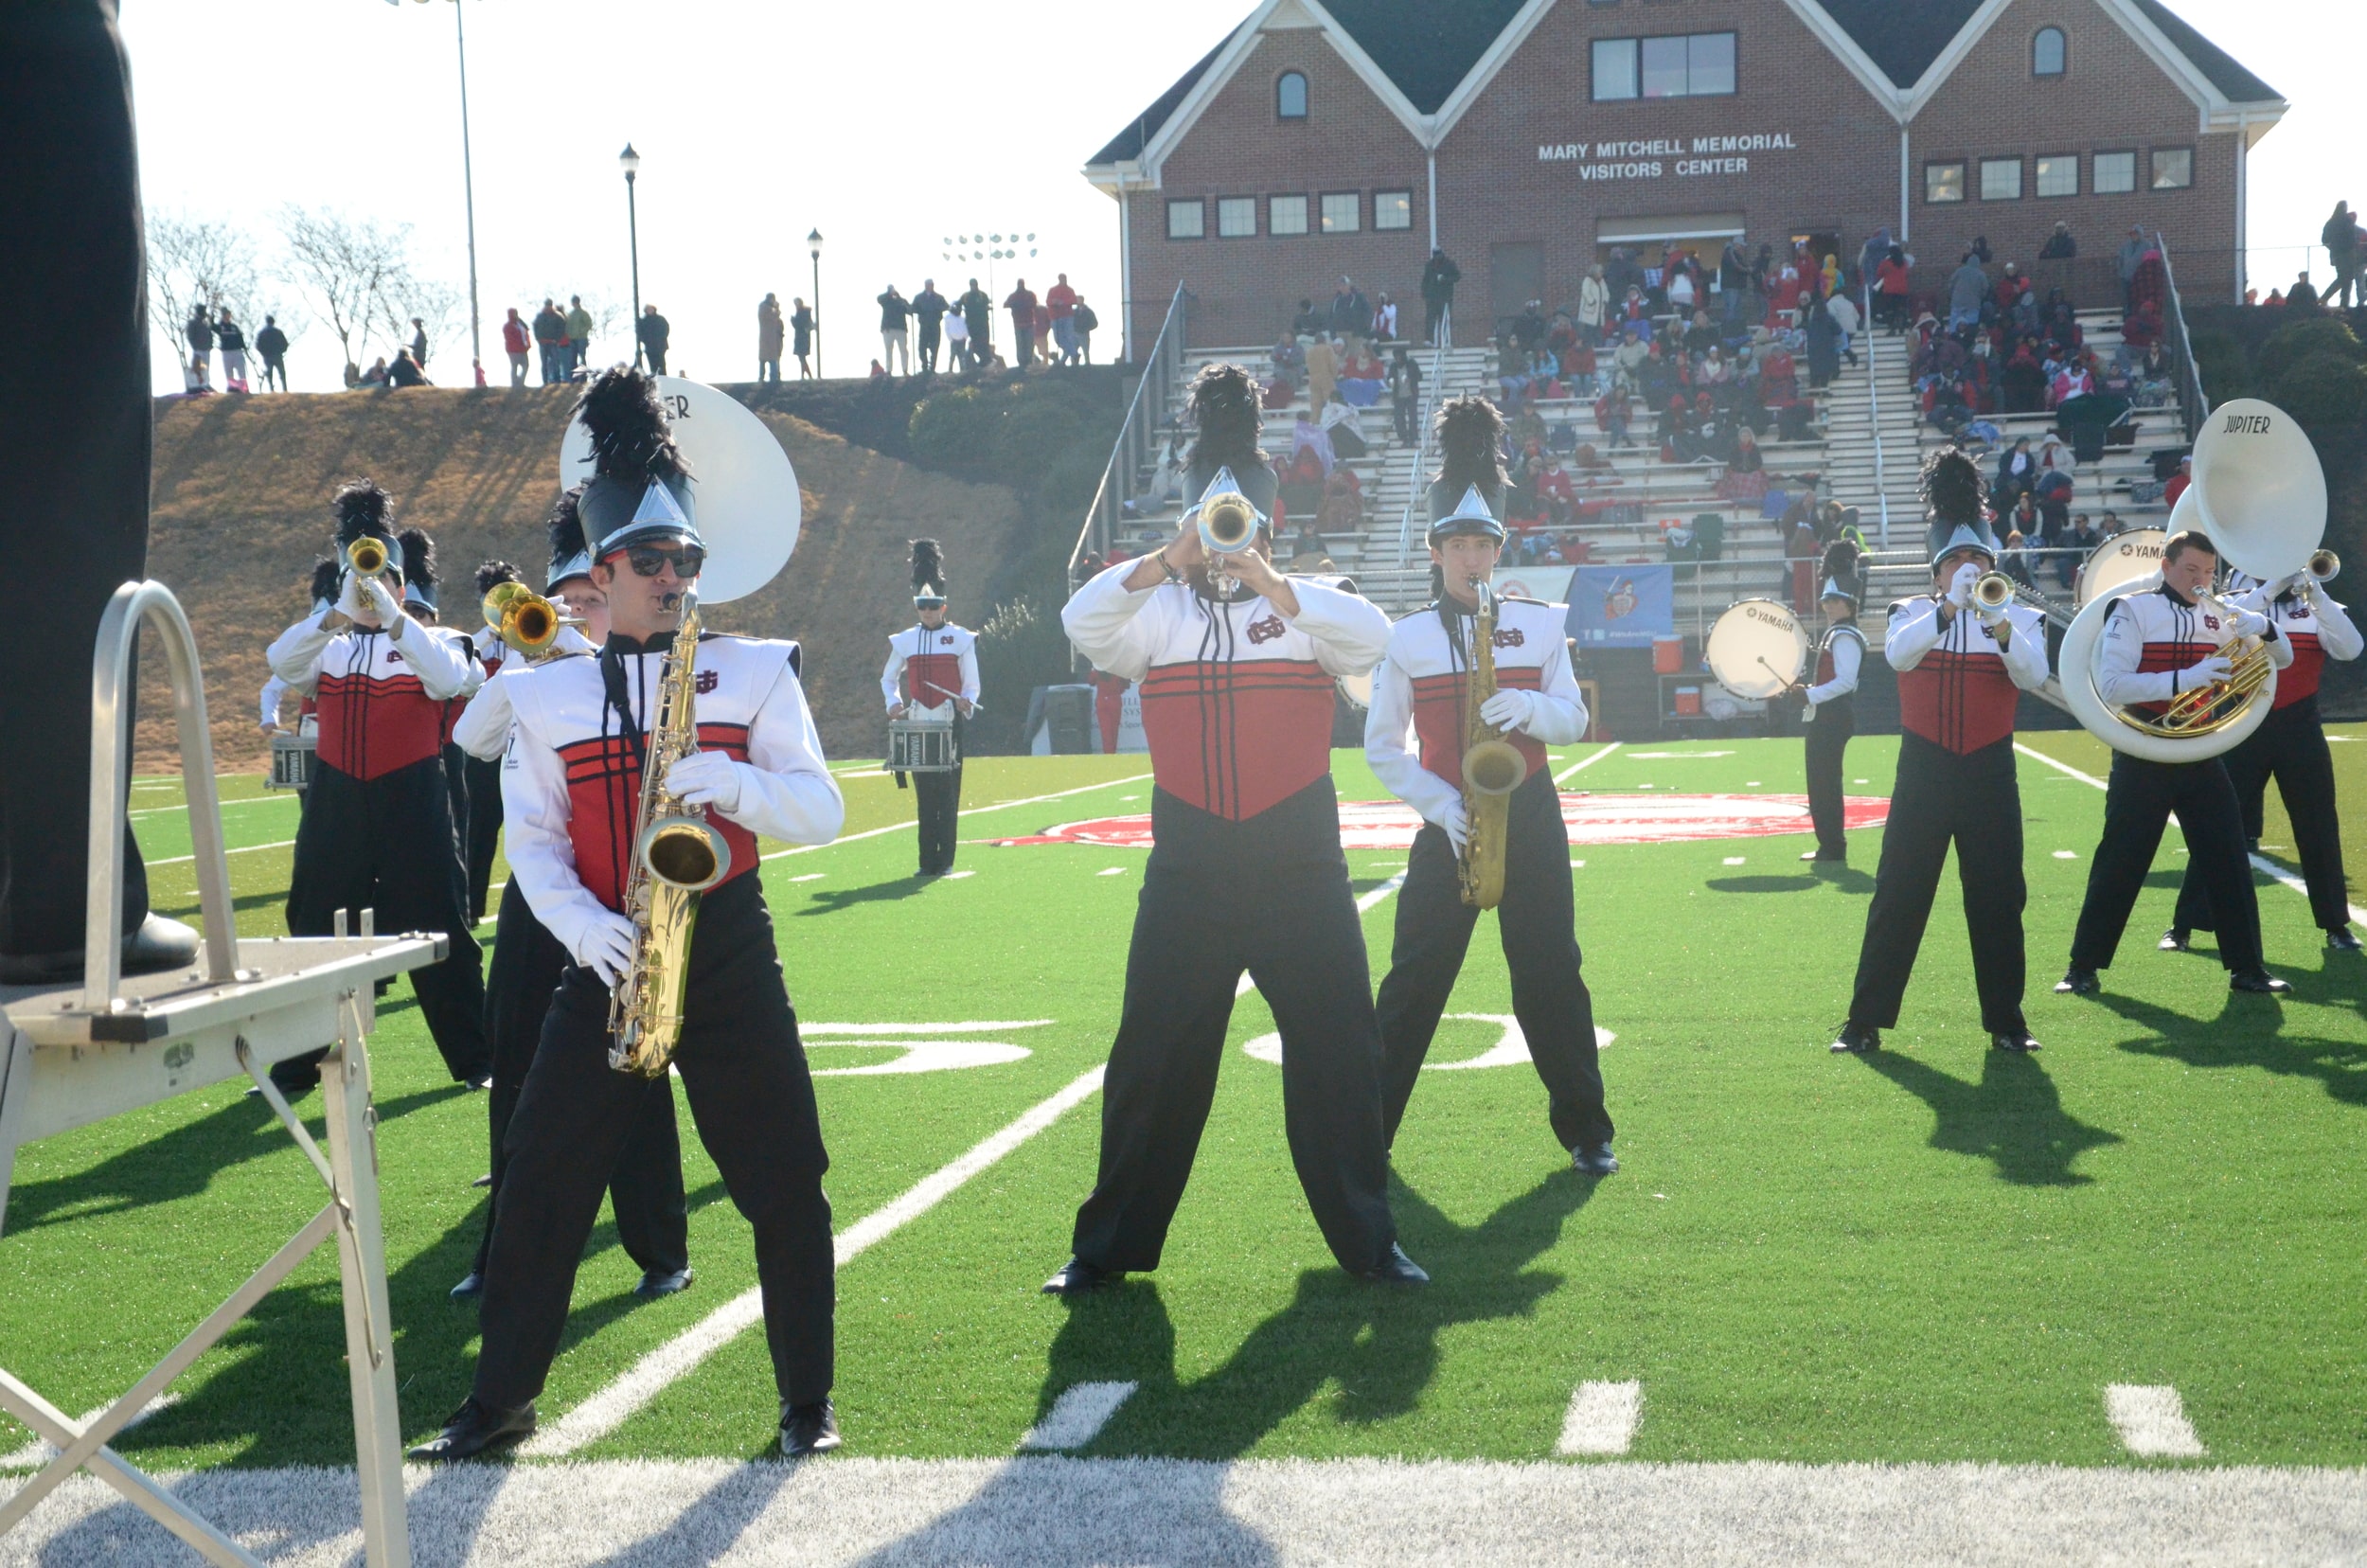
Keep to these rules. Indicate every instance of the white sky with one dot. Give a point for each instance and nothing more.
(888, 130)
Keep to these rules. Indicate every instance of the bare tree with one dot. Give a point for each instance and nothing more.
(356, 275)
(196, 263)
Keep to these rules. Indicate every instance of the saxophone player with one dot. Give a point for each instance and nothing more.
(570, 791)
(1423, 692)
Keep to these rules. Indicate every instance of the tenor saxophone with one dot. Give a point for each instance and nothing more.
(1492, 768)
(677, 855)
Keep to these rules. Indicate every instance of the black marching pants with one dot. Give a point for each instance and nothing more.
(2139, 797)
(1549, 995)
(1974, 802)
(388, 845)
(753, 1100)
(74, 403)
(2290, 744)
(937, 796)
(1829, 740)
(485, 830)
(1202, 919)
(646, 1190)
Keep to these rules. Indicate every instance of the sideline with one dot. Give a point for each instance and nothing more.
(2260, 863)
(967, 810)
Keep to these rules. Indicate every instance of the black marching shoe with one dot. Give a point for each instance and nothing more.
(1594, 1159)
(1396, 1269)
(662, 1282)
(2078, 982)
(2012, 1040)
(476, 1428)
(2342, 939)
(470, 1288)
(1819, 857)
(1076, 1277)
(2257, 980)
(1858, 1039)
(2173, 940)
(809, 1429)
(158, 944)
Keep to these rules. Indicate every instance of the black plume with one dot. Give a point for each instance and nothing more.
(928, 565)
(362, 507)
(565, 526)
(493, 572)
(418, 558)
(325, 575)
(1953, 489)
(630, 438)
(1841, 564)
(1231, 419)
(1470, 444)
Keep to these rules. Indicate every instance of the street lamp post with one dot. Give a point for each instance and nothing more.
(468, 186)
(631, 162)
(813, 244)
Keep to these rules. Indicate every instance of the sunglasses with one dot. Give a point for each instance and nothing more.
(647, 560)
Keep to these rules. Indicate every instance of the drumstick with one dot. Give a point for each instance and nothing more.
(975, 706)
(1772, 671)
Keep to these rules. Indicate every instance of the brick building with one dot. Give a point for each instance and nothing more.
(1324, 138)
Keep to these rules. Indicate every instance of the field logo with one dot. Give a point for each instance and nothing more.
(1510, 1050)
(918, 1050)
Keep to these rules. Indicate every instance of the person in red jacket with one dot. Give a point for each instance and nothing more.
(1060, 301)
(515, 342)
(1023, 307)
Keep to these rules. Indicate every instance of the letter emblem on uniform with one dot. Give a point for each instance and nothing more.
(946, 641)
(1510, 637)
(2211, 623)
(709, 680)
(1265, 630)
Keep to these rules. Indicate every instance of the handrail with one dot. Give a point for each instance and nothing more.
(110, 760)
(1134, 436)
(1421, 437)
(1874, 406)
(2193, 403)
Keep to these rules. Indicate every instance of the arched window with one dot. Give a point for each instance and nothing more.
(1289, 95)
(2048, 52)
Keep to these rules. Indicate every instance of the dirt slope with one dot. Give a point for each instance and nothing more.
(239, 513)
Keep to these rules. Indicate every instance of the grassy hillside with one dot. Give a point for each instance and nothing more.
(239, 511)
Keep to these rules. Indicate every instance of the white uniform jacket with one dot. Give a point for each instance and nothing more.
(937, 666)
(2152, 637)
(483, 728)
(380, 695)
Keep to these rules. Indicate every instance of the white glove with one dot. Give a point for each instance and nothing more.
(706, 778)
(2249, 623)
(605, 946)
(350, 603)
(1510, 710)
(1457, 825)
(1992, 615)
(380, 602)
(2205, 671)
(1960, 586)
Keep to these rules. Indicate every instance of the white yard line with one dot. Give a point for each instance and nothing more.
(1365, 906)
(236, 849)
(1588, 762)
(1601, 1418)
(289, 798)
(1077, 1416)
(607, 1410)
(2260, 863)
(2152, 1421)
(967, 810)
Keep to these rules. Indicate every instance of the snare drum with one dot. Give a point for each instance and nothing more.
(291, 761)
(922, 745)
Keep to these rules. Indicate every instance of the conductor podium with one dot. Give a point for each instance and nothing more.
(75, 1054)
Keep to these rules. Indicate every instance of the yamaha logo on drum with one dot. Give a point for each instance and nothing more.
(1770, 616)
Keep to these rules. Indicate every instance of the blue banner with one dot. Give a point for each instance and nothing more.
(1621, 606)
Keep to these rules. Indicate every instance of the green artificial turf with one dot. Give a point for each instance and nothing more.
(1939, 1253)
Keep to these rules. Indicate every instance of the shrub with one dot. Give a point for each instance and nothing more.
(1020, 648)
(2288, 345)
(2325, 393)
(2221, 359)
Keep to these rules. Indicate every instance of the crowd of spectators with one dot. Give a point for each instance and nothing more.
(1053, 331)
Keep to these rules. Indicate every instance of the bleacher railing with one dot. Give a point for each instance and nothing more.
(1155, 396)
(1873, 401)
(1420, 462)
(2193, 404)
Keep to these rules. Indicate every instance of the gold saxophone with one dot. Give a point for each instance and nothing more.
(1492, 768)
(678, 855)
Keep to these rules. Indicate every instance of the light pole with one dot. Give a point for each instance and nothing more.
(467, 187)
(631, 162)
(813, 244)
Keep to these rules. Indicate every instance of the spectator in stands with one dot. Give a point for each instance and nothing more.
(2133, 252)
(2059, 245)
(2012, 289)
(1385, 319)
(1621, 275)
(1843, 310)
(1746, 471)
(2075, 380)
(1405, 395)
(1290, 360)
(2111, 525)
(2301, 296)
(1612, 413)
(2015, 563)
(1323, 370)
(2023, 519)
(1733, 280)
(1677, 286)
(1560, 494)
(1308, 436)
(1343, 428)
(2082, 538)
(1524, 507)
(1360, 378)
(1439, 276)
(1342, 510)
(1302, 483)
(1893, 276)
(1968, 289)
(550, 341)
(2016, 472)
(1593, 300)
(1512, 372)
(1824, 340)
(1351, 313)
(1021, 304)
(2179, 481)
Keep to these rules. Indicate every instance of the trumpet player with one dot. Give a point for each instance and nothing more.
(933, 673)
(2156, 645)
(1238, 665)
(377, 829)
(2291, 746)
(572, 792)
(1422, 695)
(1963, 659)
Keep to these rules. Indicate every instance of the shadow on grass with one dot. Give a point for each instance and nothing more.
(2247, 1033)
(2013, 1117)
(1845, 878)
(886, 892)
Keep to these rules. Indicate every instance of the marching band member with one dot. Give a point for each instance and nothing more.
(2157, 644)
(1962, 667)
(418, 602)
(274, 694)
(1419, 692)
(377, 829)
(1236, 664)
(572, 792)
(1831, 702)
(645, 1191)
(484, 773)
(933, 673)
(2290, 744)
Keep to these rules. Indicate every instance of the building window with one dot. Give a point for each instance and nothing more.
(1679, 65)
(1237, 217)
(1944, 182)
(1343, 212)
(2173, 168)
(1187, 220)
(2001, 179)
(2116, 173)
(1286, 215)
(2049, 53)
(1289, 95)
(1393, 209)
(2059, 176)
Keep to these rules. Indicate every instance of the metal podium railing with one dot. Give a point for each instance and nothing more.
(75, 1054)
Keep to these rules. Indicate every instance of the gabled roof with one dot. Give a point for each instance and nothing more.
(2222, 69)
(1128, 143)
(1902, 37)
(1425, 46)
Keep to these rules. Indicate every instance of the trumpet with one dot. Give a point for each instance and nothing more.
(1995, 590)
(1228, 524)
(525, 619)
(368, 556)
(2324, 566)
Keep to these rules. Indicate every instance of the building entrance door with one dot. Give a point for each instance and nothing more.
(1515, 274)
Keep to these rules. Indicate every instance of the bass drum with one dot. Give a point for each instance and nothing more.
(2123, 558)
(1756, 648)
(1358, 689)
